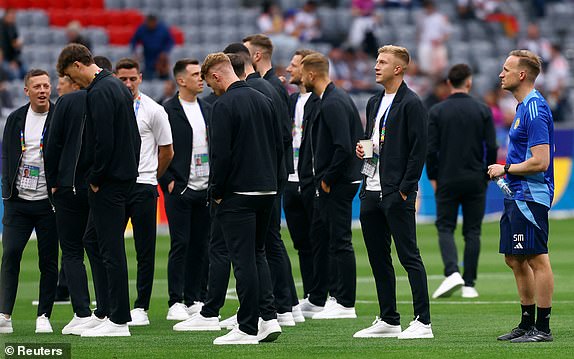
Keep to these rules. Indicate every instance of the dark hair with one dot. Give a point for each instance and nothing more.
(458, 74)
(181, 65)
(128, 64)
(261, 41)
(34, 73)
(72, 53)
(103, 62)
(240, 50)
(238, 64)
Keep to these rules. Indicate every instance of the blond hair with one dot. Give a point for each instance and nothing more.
(399, 52)
(528, 60)
(212, 60)
(316, 62)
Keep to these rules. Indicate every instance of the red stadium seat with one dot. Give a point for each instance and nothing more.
(119, 35)
(18, 4)
(59, 18)
(116, 18)
(177, 34)
(40, 4)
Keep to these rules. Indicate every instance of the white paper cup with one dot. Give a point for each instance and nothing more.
(367, 148)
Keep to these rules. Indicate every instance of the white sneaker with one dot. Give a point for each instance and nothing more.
(417, 330)
(268, 330)
(379, 329)
(43, 324)
(469, 292)
(75, 322)
(194, 308)
(108, 329)
(309, 309)
(448, 286)
(178, 311)
(286, 319)
(229, 323)
(5, 325)
(331, 301)
(92, 323)
(139, 317)
(297, 314)
(336, 311)
(236, 337)
(198, 322)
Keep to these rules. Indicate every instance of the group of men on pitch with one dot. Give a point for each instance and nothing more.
(76, 172)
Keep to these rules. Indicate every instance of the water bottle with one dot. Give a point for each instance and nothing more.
(504, 187)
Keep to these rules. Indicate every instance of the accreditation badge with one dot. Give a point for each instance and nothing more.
(30, 177)
(370, 166)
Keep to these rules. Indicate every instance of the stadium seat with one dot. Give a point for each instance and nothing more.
(177, 34)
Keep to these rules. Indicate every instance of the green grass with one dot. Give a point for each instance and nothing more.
(462, 328)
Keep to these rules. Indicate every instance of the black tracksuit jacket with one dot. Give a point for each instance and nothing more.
(66, 158)
(245, 146)
(112, 136)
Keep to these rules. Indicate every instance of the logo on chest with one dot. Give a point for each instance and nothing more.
(516, 123)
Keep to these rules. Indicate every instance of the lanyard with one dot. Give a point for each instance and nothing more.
(23, 141)
(383, 129)
(138, 103)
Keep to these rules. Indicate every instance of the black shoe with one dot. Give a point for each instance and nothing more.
(534, 335)
(514, 333)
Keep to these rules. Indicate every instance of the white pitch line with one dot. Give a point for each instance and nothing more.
(454, 302)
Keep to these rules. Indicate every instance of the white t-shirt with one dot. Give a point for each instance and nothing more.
(199, 171)
(154, 129)
(374, 183)
(298, 132)
(31, 179)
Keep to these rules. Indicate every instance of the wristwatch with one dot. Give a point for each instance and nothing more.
(506, 168)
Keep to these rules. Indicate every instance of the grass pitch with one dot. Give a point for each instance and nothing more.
(463, 328)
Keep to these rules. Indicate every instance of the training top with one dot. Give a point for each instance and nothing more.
(532, 126)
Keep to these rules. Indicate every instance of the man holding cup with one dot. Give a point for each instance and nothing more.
(394, 156)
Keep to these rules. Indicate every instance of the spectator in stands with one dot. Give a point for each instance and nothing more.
(11, 44)
(433, 32)
(340, 69)
(74, 35)
(5, 96)
(556, 83)
(439, 93)
(306, 23)
(270, 21)
(419, 83)
(362, 72)
(491, 100)
(155, 38)
(535, 43)
(169, 90)
(365, 21)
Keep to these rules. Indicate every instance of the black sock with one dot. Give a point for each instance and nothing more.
(543, 319)
(528, 312)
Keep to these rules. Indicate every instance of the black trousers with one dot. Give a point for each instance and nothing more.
(298, 214)
(334, 212)
(99, 272)
(62, 288)
(219, 269)
(244, 222)
(72, 211)
(382, 218)
(142, 209)
(471, 195)
(189, 223)
(20, 218)
(108, 207)
(279, 263)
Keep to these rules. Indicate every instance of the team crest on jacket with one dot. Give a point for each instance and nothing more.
(517, 123)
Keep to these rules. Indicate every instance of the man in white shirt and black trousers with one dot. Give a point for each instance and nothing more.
(113, 145)
(184, 185)
(27, 204)
(397, 130)
(155, 155)
(245, 156)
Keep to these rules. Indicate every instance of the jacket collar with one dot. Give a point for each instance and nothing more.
(99, 76)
